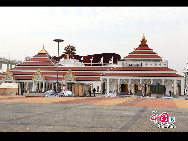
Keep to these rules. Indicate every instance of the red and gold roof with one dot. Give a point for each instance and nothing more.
(143, 52)
(43, 62)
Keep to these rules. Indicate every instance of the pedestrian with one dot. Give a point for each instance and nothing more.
(170, 93)
(94, 90)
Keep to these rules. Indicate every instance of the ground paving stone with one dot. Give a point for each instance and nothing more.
(130, 116)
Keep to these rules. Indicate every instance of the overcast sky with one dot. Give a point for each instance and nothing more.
(92, 30)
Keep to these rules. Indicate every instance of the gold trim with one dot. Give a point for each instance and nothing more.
(69, 72)
(8, 71)
(38, 71)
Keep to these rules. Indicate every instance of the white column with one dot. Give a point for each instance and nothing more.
(133, 88)
(39, 86)
(43, 87)
(7, 66)
(163, 81)
(175, 82)
(0, 66)
(19, 89)
(118, 90)
(129, 86)
(107, 86)
(33, 89)
(151, 81)
(52, 86)
(182, 86)
(56, 87)
(47, 86)
(26, 86)
(140, 84)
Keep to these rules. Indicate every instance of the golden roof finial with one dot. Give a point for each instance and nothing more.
(43, 50)
(143, 38)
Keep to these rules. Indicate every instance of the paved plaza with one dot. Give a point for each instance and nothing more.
(88, 114)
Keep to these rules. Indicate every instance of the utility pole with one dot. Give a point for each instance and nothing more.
(57, 40)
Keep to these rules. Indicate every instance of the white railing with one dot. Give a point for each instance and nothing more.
(144, 64)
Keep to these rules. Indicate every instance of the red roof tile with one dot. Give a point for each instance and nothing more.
(55, 73)
(142, 52)
(144, 74)
(39, 59)
(36, 64)
(142, 56)
(143, 46)
(88, 78)
(41, 55)
(53, 68)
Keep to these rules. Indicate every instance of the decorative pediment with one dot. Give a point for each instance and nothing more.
(38, 76)
(8, 76)
(69, 76)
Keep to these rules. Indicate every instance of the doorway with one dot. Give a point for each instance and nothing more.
(69, 86)
(135, 88)
(122, 88)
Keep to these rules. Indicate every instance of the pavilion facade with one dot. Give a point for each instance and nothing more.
(130, 75)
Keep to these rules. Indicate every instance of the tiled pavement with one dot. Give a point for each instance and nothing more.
(127, 101)
(88, 114)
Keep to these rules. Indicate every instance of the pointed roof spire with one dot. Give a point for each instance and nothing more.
(143, 41)
(143, 38)
(43, 51)
(143, 52)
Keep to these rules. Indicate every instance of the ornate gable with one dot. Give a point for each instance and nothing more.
(69, 76)
(8, 76)
(38, 76)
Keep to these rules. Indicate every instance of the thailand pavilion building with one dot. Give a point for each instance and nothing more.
(106, 72)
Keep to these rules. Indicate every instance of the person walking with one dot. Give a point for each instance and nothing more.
(170, 93)
(94, 90)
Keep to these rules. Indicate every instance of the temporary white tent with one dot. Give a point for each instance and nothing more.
(9, 85)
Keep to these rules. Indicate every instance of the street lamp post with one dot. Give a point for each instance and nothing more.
(58, 40)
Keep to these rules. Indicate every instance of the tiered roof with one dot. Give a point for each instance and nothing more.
(143, 52)
(41, 59)
(46, 68)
